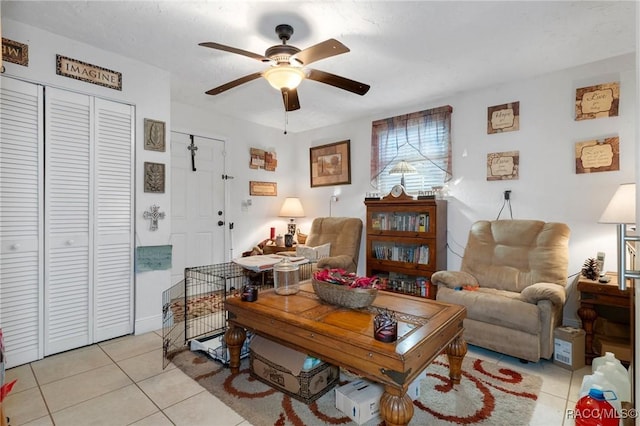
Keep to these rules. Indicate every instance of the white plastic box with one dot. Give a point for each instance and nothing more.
(360, 399)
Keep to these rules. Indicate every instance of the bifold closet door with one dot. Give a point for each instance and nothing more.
(68, 222)
(88, 274)
(21, 174)
(114, 220)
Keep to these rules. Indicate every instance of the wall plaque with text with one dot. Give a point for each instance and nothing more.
(503, 118)
(601, 155)
(14, 52)
(94, 74)
(597, 101)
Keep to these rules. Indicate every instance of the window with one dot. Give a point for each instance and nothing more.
(422, 139)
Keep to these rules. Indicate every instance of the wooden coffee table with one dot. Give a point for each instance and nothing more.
(344, 337)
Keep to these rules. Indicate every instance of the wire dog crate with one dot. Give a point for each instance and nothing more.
(193, 309)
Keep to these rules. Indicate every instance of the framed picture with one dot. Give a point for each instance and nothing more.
(154, 177)
(330, 164)
(154, 135)
(263, 188)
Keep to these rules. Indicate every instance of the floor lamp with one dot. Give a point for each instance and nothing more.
(621, 210)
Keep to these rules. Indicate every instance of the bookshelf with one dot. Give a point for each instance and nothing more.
(406, 242)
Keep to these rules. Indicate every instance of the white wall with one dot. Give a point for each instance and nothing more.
(146, 87)
(547, 189)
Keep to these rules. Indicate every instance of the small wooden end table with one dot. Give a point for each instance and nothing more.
(594, 294)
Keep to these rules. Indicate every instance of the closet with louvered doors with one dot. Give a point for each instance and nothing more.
(83, 264)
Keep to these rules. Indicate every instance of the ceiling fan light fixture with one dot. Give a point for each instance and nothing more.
(281, 77)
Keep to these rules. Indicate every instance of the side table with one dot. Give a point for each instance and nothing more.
(593, 296)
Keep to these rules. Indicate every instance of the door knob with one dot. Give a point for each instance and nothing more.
(220, 223)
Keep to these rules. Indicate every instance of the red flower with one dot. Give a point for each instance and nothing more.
(342, 277)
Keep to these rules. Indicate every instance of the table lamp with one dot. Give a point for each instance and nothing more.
(402, 168)
(621, 210)
(291, 208)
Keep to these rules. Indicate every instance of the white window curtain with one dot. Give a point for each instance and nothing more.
(423, 139)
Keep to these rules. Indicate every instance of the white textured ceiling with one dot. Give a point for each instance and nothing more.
(409, 52)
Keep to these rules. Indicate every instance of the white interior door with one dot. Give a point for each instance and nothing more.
(21, 174)
(197, 203)
(68, 222)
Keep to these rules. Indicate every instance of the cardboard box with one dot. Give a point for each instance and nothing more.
(283, 368)
(621, 348)
(568, 345)
(360, 399)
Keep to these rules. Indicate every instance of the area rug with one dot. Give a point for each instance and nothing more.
(487, 395)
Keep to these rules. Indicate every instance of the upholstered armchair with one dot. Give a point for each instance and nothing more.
(512, 282)
(344, 234)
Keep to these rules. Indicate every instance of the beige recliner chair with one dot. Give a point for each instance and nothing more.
(512, 282)
(344, 234)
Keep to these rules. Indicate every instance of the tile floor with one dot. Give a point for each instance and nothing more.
(121, 382)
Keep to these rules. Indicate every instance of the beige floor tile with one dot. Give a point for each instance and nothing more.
(81, 387)
(130, 346)
(42, 421)
(576, 383)
(24, 375)
(121, 407)
(23, 407)
(170, 387)
(202, 409)
(156, 419)
(143, 366)
(550, 410)
(66, 364)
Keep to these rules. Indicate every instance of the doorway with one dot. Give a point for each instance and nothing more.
(197, 202)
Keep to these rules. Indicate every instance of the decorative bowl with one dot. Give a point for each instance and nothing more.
(342, 295)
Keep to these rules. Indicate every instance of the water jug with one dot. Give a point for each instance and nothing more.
(607, 357)
(598, 378)
(286, 277)
(595, 409)
(617, 375)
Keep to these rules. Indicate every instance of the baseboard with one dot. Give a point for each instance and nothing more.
(148, 324)
(571, 322)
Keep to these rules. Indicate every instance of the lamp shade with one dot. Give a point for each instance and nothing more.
(402, 168)
(282, 76)
(292, 207)
(622, 207)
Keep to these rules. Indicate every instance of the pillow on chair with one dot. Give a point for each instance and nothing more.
(314, 253)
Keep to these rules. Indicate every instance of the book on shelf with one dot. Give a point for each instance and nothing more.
(422, 222)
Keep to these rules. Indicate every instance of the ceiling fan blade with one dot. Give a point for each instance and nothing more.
(234, 83)
(326, 49)
(339, 82)
(251, 55)
(290, 99)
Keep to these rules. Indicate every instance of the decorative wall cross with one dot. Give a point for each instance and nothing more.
(154, 214)
(193, 148)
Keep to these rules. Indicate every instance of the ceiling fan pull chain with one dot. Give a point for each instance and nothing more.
(286, 121)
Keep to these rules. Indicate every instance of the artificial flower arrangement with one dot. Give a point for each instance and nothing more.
(339, 287)
(342, 277)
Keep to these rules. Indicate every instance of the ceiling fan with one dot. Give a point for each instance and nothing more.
(288, 67)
